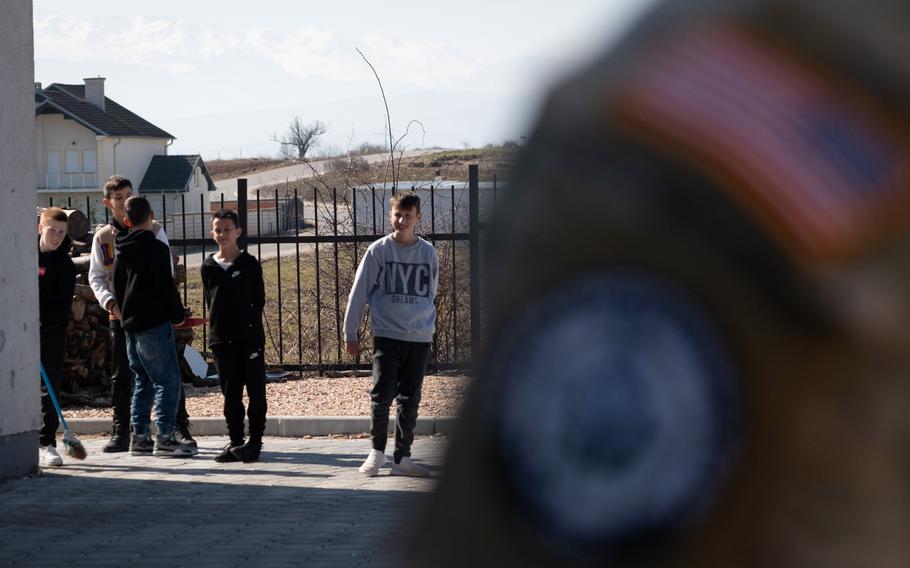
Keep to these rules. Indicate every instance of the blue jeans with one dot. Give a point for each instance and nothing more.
(153, 360)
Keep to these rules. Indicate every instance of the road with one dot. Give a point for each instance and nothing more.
(294, 172)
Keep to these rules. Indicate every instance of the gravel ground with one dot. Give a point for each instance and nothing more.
(316, 396)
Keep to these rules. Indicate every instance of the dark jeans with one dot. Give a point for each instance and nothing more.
(237, 366)
(122, 382)
(153, 360)
(53, 352)
(398, 369)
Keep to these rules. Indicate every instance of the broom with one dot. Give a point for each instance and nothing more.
(72, 446)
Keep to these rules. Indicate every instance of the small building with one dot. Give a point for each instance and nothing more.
(269, 216)
(178, 188)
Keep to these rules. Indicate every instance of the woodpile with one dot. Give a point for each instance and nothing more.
(87, 367)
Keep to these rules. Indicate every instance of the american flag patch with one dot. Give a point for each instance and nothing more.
(107, 253)
(821, 168)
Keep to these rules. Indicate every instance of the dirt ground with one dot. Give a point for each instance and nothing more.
(315, 396)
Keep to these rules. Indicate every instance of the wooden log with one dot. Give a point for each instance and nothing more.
(97, 358)
(82, 263)
(99, 313)
(78, 308)
(85, 292)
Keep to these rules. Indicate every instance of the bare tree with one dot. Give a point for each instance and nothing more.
(395, 144)
(300, 137)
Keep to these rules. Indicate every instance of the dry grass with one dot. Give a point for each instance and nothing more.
(226, 169)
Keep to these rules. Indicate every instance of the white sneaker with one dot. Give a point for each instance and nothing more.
(407, 467)
(50, 457)
(374, 461)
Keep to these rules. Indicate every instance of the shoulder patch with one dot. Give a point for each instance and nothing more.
(107, 253)
(622, 383)
(822, 168)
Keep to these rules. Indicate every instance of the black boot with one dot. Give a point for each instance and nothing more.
(248, 452)
(226, 455)
(120, 439)
(184, 437)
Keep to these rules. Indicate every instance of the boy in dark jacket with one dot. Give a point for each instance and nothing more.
(117, 189)
(149, 305)
(56, 284)
(235, 296)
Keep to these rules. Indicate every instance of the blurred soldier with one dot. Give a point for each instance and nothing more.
(698, 293)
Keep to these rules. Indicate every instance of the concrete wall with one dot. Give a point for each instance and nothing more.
(19, 387)
(131, 157)
(374, 205)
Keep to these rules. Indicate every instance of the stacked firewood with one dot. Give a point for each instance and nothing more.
(87, 367)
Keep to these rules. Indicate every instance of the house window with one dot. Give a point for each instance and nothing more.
(71, 162)
(89, 161)
(196, 177)
(53, 170)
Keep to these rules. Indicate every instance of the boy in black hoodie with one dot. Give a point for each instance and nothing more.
(117, 189)
(56, 284)
(149, 307)
(235, 295)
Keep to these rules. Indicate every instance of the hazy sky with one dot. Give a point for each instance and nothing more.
(224, 79)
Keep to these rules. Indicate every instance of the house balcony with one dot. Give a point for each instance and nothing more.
(49, 182)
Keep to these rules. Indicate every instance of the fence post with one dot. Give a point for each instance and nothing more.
(241, 211)
(474, 202)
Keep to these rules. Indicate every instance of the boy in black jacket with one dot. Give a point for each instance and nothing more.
(235, 296)
(56, 284)
(149, 307)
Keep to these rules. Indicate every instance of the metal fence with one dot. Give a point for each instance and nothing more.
(309, 268)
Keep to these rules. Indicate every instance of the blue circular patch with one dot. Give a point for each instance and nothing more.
(615, 407)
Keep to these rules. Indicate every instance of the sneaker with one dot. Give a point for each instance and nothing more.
(407, 467)
(226, 455)
(119, 442)
(374, 461)
(141, 444)
(248, 452)
(183, 436)
(168, 447)
(50, 457)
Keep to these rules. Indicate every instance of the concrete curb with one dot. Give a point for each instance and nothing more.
(283, 426)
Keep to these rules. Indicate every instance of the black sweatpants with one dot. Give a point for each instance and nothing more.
(53, 352)
(240, 365)
(398, 369)
(122, 382)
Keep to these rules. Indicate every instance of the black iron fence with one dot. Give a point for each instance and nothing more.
(311, 253)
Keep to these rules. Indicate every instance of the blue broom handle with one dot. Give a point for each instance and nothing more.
(50, 391)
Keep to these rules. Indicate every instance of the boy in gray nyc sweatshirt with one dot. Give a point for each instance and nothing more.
(398, 276)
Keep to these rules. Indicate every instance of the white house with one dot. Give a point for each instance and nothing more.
(82, 137)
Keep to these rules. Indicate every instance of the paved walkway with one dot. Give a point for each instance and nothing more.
(305, 503)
